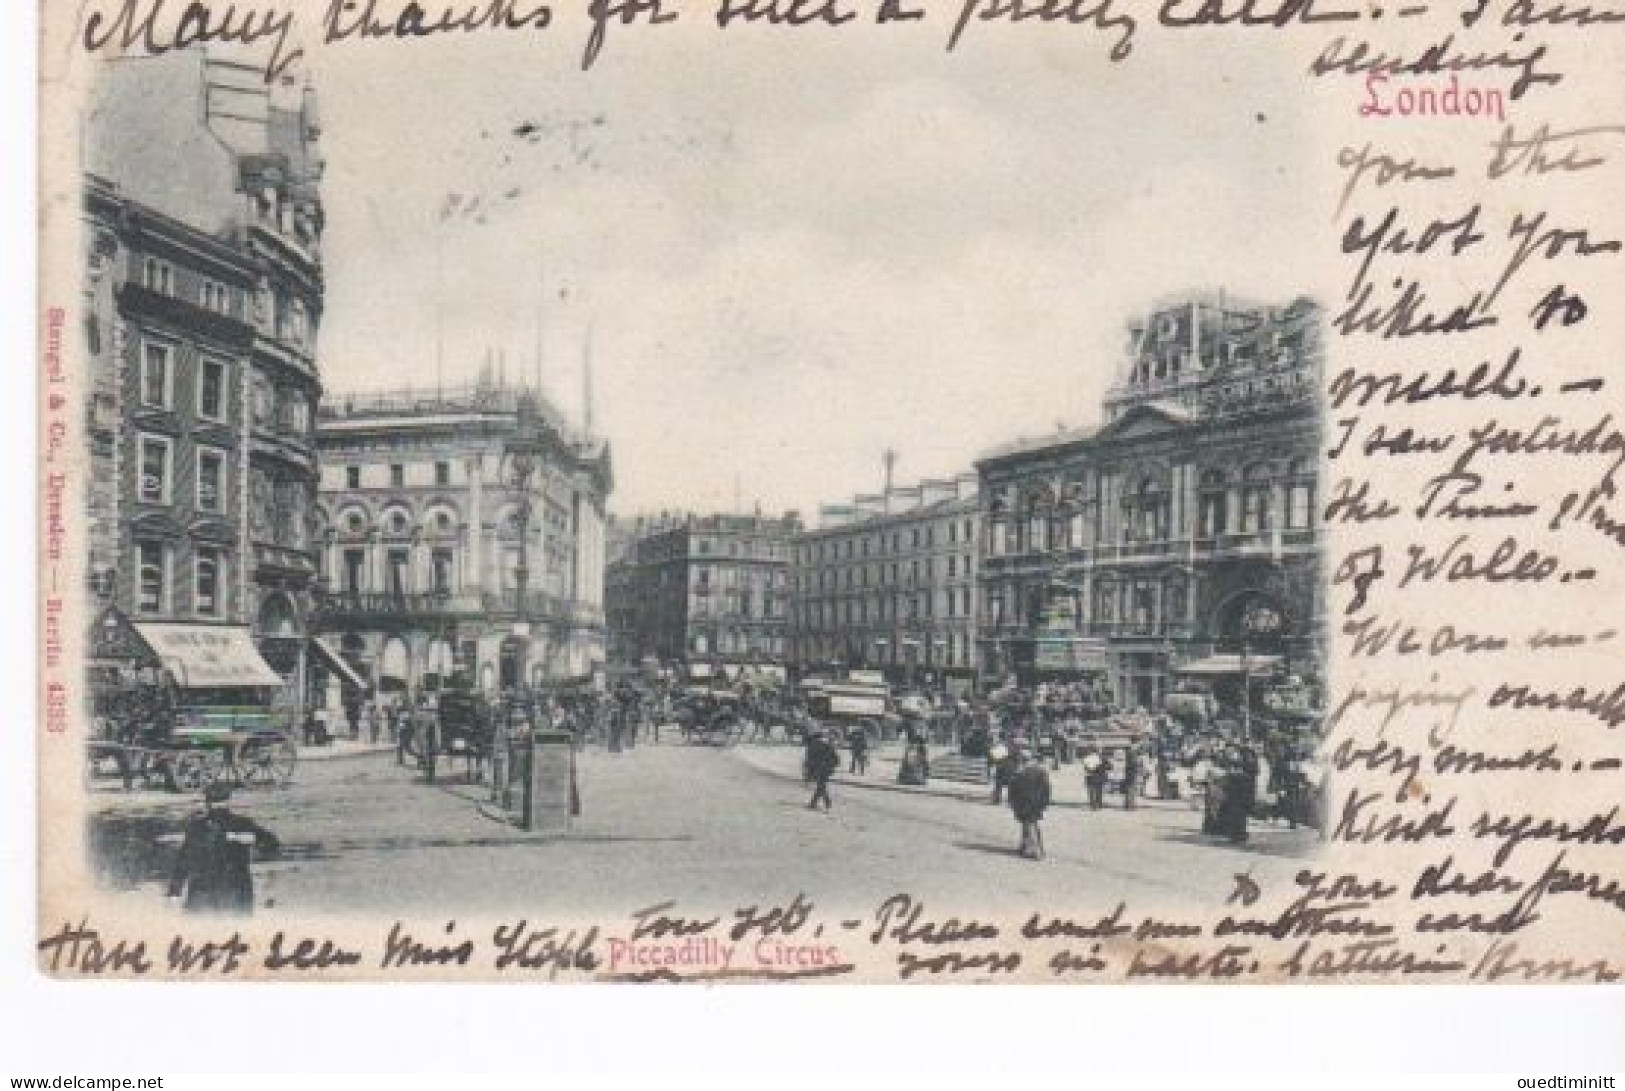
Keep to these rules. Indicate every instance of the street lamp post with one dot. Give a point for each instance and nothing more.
(549, 776)
(1258, 620)
(524, 455)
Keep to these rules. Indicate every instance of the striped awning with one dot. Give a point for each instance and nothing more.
(208, 656)
(336, 663)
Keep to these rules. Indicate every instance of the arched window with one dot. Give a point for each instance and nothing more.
(1255, 499)
(1300, 494)
(1215, 503)
(441, 522)
(1145, 512)
(1069, 516)
(1153, 511)
(1035, 526)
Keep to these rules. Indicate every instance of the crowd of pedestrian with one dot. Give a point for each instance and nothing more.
(1127, 756)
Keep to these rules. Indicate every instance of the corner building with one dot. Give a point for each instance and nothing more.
(1180, 536)
(711, 591)
(203, 299)
(426, 521)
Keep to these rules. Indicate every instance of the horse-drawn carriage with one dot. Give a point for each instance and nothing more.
(461, 723)
(182, 706)
(709, 717)
(844, 707)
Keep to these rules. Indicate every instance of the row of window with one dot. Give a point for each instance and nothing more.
(288, 410)
(158, 275)
(398, 579)
(734, 642)
(155, 588)
(213, 389)
(740, 605)
(398, 522)
(766, 550)
(1143, 601)
(834, 549)
(277, 307)
(705, 577)
(949, 650)
(399, 576)
(397, 477)
(956, 602)
(880, 575)
(157, 474)
(1147, 517)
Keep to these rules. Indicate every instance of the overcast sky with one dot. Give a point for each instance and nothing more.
(794, 253)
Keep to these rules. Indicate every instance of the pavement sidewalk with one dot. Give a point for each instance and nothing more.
(107, 795)
(1066, 784)
(344, 748)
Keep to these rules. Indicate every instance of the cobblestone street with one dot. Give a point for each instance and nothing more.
(715, 828)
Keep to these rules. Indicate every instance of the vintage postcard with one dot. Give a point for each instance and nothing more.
(1044, 491)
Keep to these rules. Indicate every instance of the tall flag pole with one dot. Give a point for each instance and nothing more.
(541, 299)
(586, 381)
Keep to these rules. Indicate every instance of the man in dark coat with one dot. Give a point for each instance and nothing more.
(1240, 788)
(1006, 758)
(352, 711)
(1096, 769)
(212, 868)
(822, 761)
(426, 730)
(1250, 768)
(860, 751)
(1132, 772)
(1029, 798)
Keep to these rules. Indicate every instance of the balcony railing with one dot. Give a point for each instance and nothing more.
(539, 606)
(388, 604)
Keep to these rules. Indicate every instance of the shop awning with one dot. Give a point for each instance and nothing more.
(207, 656)
(1230, 664)
(336, 663)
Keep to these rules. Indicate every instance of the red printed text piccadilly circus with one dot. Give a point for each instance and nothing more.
(706, 953)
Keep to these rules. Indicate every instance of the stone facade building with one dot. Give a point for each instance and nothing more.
(436, 506)
(1181, 534)
(888, 582)
(203, 299)
(712, 591)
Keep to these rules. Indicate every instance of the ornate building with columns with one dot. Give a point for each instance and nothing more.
(202, 302)
(437, 508)
(1181, 536)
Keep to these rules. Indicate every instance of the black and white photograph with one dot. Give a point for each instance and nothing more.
(870, 492)
(623, 504)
